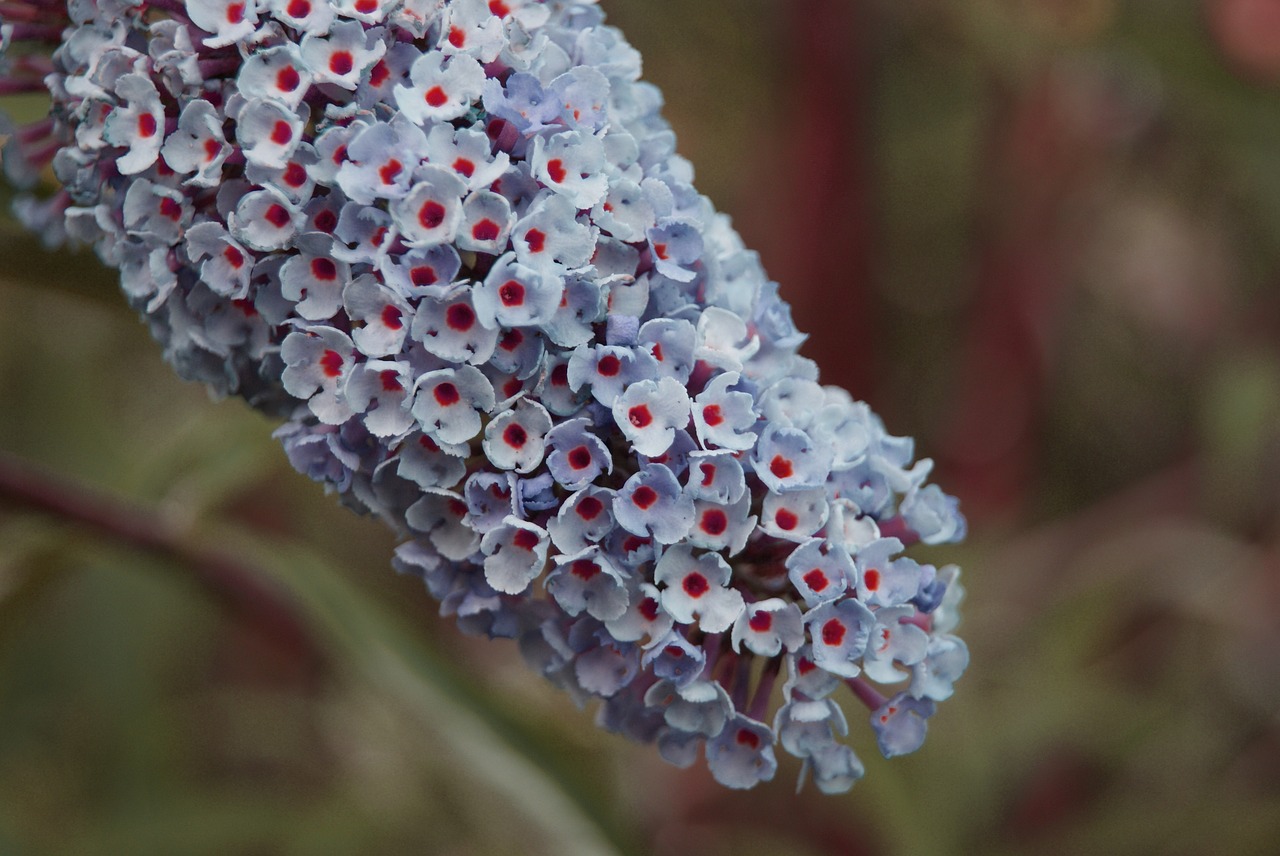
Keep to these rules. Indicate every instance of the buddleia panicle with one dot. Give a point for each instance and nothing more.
(452, 245)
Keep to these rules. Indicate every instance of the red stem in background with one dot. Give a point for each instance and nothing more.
(237, 587)
(1034, 162)
(813, 226)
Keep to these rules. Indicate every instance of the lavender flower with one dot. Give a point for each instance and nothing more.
(450, 243)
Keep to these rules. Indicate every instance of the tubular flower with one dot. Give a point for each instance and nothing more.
(451, 244)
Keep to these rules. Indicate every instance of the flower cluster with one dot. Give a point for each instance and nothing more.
(452, 242)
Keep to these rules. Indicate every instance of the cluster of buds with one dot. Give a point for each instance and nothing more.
(450, 241)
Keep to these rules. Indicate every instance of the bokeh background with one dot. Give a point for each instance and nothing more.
(1042, 236)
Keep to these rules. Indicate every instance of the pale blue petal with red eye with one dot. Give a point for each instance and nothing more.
(694, 589)
(137, 124)
(522, 101)
(892, 640)
(901, 724)
(741, 756)
(448, 327)
(292, 179)
(820, 572)
(648, 413)
(724, 340)
(377, 85)
(467, 152)
(440, 88)
(515, 554)
(588, 581)
(491, 499)
(679, 748)
(584, 519)
(582, 94)
(154, 213)
(364, 234)
(331, 148)
(486, 223)
(518, 353)
(269, 131)
(315, 363)
(571, 163)
(672, 658)
(514, 295)
(555, 392)
(342, 55)
(550, 237)
(794, 516)
(934, 677)
(442, 516)
(625, 212)
(719, 526)
(768, 626)
(700, 707)
(581, 306)
(630, 551)
(382, 160)
(933, 516)
(806, 679)
(787, 459)
(676, 456)
(197, 145)
(379, 390)
(470, 27)
(429, 214)
(715, 476)
(421, 271)
(839, 632)
(227, 21)
(369, 12)
(676, 249)
(265, 220)
(671, 341)
(448, 403)
(278, 73)
(314, 280)
(608, 668)
(307, 16)
(385, 316)
(651, 503)
(225, 265)
(428, 464)
(724, 416)
(607, 369)
(644, 618)
(515, 438)
(806, 727)
(322, 213)
(883, 581)
(577, 455)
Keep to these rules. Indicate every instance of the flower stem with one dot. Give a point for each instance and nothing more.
(238, 588)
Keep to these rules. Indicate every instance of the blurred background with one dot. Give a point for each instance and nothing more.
(1042, 236)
